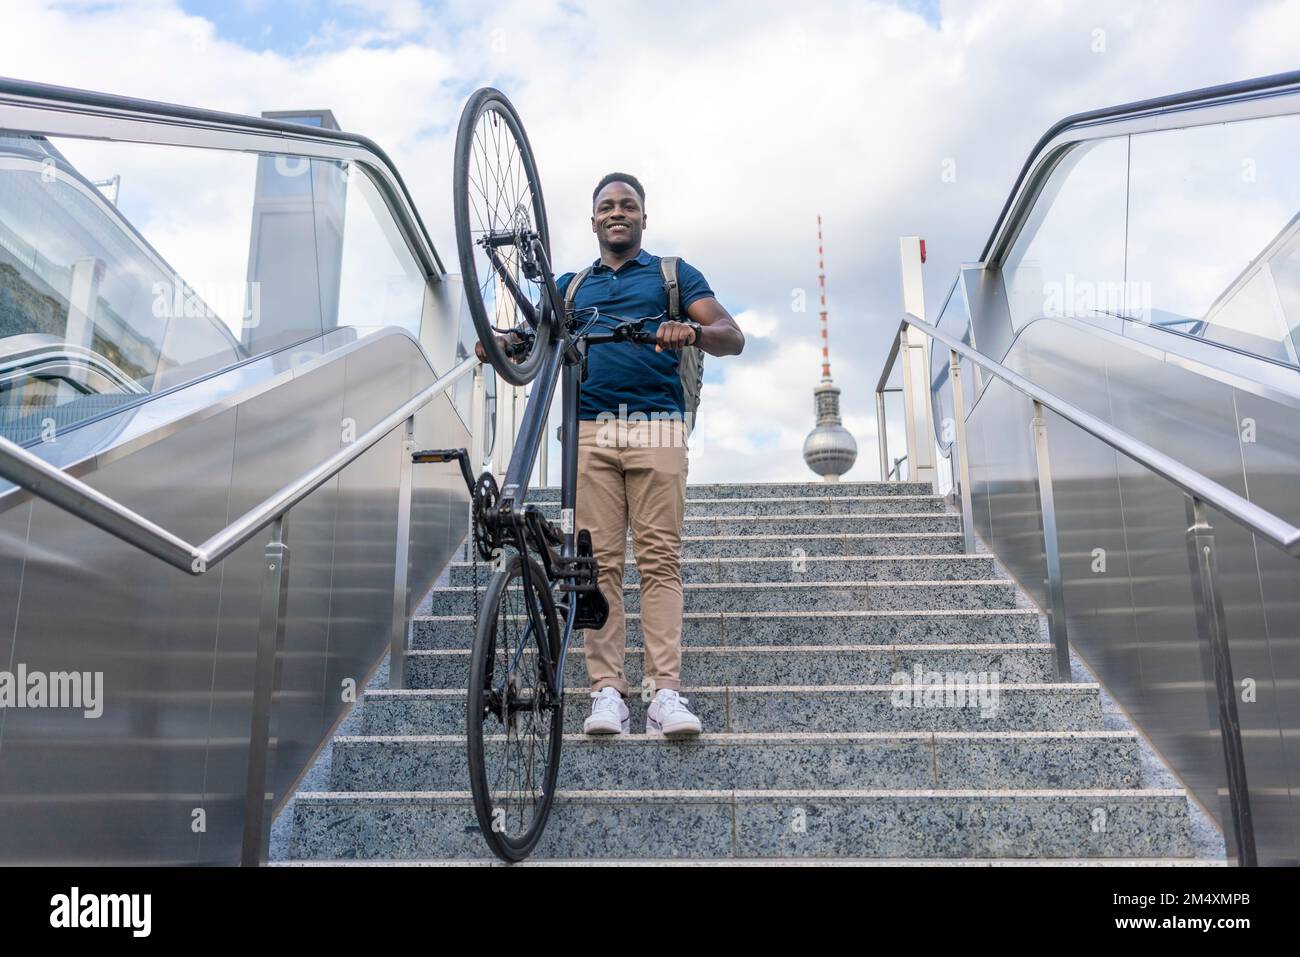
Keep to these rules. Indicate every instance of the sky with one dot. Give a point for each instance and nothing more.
(745, 121)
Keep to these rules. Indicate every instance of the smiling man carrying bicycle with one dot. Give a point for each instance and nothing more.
(632, 450)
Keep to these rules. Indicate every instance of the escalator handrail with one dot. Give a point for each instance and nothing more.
(74, 496)
(38, 95)
(1245, 513)
(1066, 132)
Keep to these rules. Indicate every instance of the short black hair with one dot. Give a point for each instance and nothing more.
(618, 178)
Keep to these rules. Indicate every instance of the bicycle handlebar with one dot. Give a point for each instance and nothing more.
(622, 333)
(627, 330)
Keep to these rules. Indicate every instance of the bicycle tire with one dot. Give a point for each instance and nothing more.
(483, 724)
(491, 101)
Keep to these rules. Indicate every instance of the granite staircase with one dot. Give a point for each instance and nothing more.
(822, 622)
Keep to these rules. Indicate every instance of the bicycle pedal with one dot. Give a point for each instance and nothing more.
(577, 574)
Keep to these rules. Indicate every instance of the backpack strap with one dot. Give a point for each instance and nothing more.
(571, 290)
(668, 270)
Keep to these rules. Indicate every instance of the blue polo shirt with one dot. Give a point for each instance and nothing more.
(629, 373)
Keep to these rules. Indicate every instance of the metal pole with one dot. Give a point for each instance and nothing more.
(1051, 546)
(477, 422)
(401, 561)
(1212, 626)
(914, 353)
(266, 681)
(882, 436)
(909, 407)
(963, 458)
(951, 497)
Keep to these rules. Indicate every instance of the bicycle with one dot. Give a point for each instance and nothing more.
(544, 584)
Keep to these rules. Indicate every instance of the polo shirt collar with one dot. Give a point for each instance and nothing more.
(643, 257)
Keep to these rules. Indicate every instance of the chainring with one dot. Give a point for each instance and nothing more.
(486, 497)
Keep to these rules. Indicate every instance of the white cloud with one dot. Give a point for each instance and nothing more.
(744, 120)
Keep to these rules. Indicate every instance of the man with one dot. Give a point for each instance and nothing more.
(632, 454)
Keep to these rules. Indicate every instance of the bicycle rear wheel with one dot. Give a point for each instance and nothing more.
(498, 206)
(514, 718)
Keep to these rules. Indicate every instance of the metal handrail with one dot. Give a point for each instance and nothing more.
(1065, 133)
(172, 124)
(1199, 491)
(55, 486)
(1241, 510)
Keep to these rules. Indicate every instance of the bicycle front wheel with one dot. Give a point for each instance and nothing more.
(499, 213)
(514, 716)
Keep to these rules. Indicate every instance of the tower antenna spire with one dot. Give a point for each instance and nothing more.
(821, 288)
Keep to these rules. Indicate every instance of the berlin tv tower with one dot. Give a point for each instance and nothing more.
(829, 450)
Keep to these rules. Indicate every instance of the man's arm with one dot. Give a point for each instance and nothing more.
(719, 334)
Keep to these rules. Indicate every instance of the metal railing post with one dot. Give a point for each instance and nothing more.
(882, 436)
(477, 420)
(1051, 546)
(960, 451)
(1213, 628)
(401, 561)
(266, 681)
(909, 406)
(914, 352)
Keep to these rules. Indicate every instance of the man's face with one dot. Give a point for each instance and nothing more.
(618, 218)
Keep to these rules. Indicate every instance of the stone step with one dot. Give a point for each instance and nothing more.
(784, 665)
(786, 708)
(895, 523)
(796, 568)
(1047, 823)
(905, 523)
(1103, 862)
(800, 505)
(551, 493)
(788, 596)
(1070, 759)
(820, 544)
(1002, 626)
(821, 621)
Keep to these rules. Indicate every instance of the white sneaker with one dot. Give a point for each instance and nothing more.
(609, 714)
(668, 715)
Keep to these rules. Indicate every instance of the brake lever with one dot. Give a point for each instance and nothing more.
(523, 347)
(633, 332)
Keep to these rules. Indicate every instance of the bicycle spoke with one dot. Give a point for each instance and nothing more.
(501, 200)
(517, 734)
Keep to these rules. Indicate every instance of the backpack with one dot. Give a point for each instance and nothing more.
(690, 359)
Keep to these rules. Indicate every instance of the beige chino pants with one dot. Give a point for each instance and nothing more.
(635, 471)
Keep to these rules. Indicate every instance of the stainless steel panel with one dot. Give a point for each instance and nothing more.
(278, 433)
(14, 524)
(1270, 469)
(177, 651)
(1134, 622)
(121, 787)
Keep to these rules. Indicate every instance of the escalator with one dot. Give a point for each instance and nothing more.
(249, 299)
(1146, 270)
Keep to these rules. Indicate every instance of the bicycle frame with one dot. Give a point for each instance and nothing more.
(562, 362)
